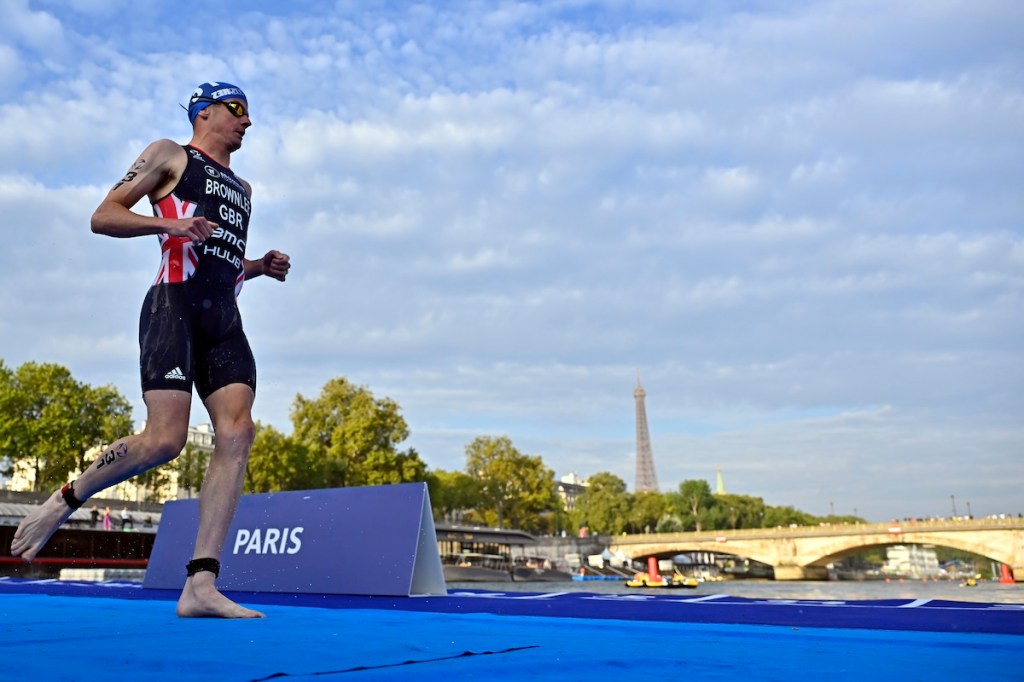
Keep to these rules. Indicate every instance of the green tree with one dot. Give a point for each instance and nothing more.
(645, 510)
(671, 522)
(841, 519)
(787, 516)
(278, 462)
(49, 422)
(451, 494)
(353, 438)
(153, 480)
(692, 502)
(604, 506)
(191, 466)
(514, 488)
(737, 511)
(385, 468)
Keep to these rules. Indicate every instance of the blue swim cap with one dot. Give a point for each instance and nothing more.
(208, 93)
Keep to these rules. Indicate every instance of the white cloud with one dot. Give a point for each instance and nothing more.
(801, 226)
(39, 31)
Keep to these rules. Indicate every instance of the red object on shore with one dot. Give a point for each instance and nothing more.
(1005, 576)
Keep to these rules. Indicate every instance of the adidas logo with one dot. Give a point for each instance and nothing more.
(175, 374)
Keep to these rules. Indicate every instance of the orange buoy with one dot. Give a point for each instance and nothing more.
(652, 569)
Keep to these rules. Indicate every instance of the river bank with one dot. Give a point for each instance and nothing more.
(839, 590)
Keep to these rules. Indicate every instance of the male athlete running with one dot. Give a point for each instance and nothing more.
(190, 332)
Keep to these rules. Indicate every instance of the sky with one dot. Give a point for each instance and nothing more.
(799, 225)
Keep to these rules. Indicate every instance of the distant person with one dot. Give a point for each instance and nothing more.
(94, 516)
(126, 519)
(107, 522)
(190, 332)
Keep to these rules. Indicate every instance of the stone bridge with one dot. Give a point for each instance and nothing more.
(804, 552)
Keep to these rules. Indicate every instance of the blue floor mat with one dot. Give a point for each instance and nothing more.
(113, 632)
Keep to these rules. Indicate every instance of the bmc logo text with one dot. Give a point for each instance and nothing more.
(268, 541)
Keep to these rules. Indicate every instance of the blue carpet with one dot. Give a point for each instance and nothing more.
(927, 615)
(111, 633)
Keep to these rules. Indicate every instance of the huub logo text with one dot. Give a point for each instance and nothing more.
(268, 541)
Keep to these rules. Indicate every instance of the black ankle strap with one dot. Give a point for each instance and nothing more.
(197, 565)
(68, 493)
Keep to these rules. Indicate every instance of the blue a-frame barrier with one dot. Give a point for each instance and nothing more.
(374, 540)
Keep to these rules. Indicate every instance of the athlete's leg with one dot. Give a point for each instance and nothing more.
(160, 441)
(230, 410)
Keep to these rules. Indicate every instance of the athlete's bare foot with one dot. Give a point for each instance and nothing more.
(36, 528)
(200, 599)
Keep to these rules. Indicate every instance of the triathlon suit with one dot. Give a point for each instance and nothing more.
(190, 330)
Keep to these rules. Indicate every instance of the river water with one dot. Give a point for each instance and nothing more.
(842, 590)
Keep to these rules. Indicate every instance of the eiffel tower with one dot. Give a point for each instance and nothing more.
(646, 479)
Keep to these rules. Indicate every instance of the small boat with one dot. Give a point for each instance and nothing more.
(673, 581)
(537, 569)
(476, 567)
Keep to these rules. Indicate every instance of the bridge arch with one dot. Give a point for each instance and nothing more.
(832, 557)
(668, 551)
(803, 552)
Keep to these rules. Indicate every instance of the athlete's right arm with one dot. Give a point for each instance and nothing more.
(154, 173)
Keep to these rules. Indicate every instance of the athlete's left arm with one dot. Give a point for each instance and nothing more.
(273, 264)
